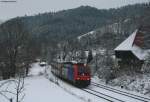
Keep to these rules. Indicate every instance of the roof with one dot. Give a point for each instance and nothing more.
(129, 45)
(139, 53)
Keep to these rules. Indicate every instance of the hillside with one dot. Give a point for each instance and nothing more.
(80, 20)
(67, 23)
(49, 30)
(110, 35)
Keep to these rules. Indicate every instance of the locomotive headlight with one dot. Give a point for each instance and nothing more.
(78, 78)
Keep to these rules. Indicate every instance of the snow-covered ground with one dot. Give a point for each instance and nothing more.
(40, 89)
(139, 83)
(43, 86)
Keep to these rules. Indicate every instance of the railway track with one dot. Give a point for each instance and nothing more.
(102, 95)
(97, 95)
(133, 96)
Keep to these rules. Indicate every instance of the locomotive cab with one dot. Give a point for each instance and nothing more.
(82, 75)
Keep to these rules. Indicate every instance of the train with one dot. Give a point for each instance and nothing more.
(76, 73)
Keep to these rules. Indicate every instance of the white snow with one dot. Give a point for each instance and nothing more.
(126, 20)
(36, 70)
(40, 89)
(140, 53)
(43, 88)
(89, 33)
(46, 87)
(137, 85)
(128, 45)
(44, 63)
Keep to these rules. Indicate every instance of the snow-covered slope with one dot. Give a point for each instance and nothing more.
(138, 83)
(41, 86)
(45, 87)
(40, 89)
(87, 34)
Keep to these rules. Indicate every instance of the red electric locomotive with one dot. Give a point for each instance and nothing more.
(76, 73)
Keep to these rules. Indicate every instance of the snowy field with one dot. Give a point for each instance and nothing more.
(139, 83)
(43, 86)
(40, 89)
(40, 86)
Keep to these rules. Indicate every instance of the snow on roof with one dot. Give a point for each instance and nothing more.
(139, 53)
(128, 45)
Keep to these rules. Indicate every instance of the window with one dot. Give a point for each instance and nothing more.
(83, 70)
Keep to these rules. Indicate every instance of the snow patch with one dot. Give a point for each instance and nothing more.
(127, 44)
(36, 70)
(138, 84)
(87, 34)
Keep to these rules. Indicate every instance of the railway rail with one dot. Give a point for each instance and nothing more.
(102, 95)
(137, 97)
(97, 95)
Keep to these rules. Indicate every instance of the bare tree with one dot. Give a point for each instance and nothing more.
(68, 49)
(19, 89)
(4, 92)
(15, 94)
(14, 38)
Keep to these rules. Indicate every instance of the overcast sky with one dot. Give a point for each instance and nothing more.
(32, 7)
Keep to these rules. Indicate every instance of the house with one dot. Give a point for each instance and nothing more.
(133, 51)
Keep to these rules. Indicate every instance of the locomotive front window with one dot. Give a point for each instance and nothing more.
(83, 70)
